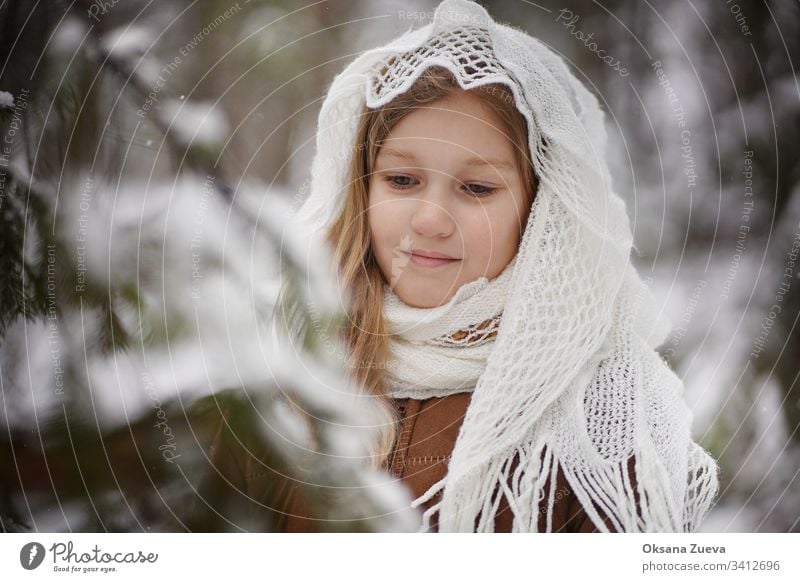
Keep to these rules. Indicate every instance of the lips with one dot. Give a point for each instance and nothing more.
(430, 259)
(433, 255)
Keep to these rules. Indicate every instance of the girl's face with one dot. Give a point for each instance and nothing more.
(446, 200)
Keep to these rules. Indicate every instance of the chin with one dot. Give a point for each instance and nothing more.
(423, 300)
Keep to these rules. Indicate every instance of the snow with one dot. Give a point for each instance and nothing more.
(68, 37)
(195, 123)
(128, 41)
(6, 100)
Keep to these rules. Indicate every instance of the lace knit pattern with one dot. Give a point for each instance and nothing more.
(474, 335)
(468, 49)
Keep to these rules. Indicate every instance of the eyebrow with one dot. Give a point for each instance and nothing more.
(389, 152)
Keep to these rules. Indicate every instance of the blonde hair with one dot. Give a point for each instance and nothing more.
(364, 332)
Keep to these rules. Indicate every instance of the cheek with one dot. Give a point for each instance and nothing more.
(374, 210)
(382, 222)
(478, 237)
(495, 237)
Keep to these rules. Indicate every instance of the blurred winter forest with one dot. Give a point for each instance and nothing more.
(153, 151)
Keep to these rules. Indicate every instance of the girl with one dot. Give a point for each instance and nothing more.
(460, 181)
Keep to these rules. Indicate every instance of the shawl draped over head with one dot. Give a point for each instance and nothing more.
(572, 380)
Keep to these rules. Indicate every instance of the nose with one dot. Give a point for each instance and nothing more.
(431, 219)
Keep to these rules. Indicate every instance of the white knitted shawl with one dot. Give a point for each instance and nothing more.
(427, 360)
(572, 380)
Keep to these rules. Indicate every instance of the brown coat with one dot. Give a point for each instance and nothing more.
(427, 433)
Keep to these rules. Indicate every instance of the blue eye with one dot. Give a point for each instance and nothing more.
(479, 190)
(400, 182)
